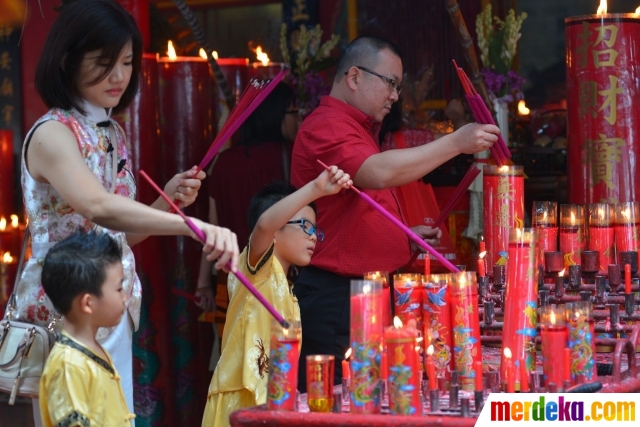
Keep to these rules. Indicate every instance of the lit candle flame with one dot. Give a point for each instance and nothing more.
(522, 108)
(347, 355)
(3, 223)
(552, 318)
(366, 289)
(561, 274)
(215, 54)
(573, 218)
(430, 350)
(503, 169)
(202, 53)
(419, 339)
(507, 353)
(171, 52)
(638, 11)
(625, 213)
(544, 215)
(482, 254)
(14, 221)
(601, 214)
(397, 323)
(602, 9)
(7, 258)
(261, 56)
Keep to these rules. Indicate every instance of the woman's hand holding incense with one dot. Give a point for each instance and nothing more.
(184, 187)
(333, 180)
(221, 245)
(430, 235)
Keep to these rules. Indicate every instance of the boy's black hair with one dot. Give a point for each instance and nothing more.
(86, 26)
(77, 265)
(271, 194)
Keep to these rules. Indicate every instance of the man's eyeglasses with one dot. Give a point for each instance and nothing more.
(393, 85)
(309, 228)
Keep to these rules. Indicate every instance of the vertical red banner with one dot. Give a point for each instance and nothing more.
(603, 113)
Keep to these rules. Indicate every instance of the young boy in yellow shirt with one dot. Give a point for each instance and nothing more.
(82, 275)
(284, 234)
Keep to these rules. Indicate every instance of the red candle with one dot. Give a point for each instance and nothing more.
(572, 233)
(346, 371)
(385, 366)
(554, 341)
(366, 342)
(601, 233)
(436, 315)
(320, 382)
(627, 226)
(581, 357)
(408, 299)
(524, 377)
(511, 378)
(283, 366)
(627, 278)
(465, 325)
(544, 220)
(481, 272)
(503, 208)
(431, 369)
(477, 367)
(567, 364)
(404, 367)
(520, 319)
(6, 172)
(482, 245)
(382, 277)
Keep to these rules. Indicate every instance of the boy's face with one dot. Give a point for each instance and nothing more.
(293, 244)
(110, 306)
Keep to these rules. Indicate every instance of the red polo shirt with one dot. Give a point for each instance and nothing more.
(358, 238)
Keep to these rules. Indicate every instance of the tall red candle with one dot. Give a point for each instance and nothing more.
(466, 326)
(283, 366)
(554, 340)
(6, 173)
(436, 314)
(566, 363)
(544, 219)
(627, 278)
(382, 277)
(503, 208)
(404, 367)
(431, 369)
(524, 377)
(408, 299)
(627, 227)
(601, 233)
(520, 318)
(366, 342)
(572, 233)
(481, 266)
(477, 367)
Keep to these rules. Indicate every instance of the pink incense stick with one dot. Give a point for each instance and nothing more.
(203, 239)
(413, 236)
(467, 180)
(219, 141)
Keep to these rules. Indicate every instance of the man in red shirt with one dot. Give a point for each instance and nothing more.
(342, 131)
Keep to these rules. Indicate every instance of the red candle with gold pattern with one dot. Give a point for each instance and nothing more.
(601, 233)
(404, 369)
(582, 343)
(436, 315)
(382, 277)
(544, 219)
(627, 227)
(283, 366)
(366, 343)
(320, 382)
(572, 233)
(520, 318)
(466, 326)
(503, 208)
(554, 334)
(408, 299)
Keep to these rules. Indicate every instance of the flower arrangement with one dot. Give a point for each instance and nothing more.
(307, 58)
(498, 41)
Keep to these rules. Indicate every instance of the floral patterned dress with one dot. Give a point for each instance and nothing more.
(51, 219)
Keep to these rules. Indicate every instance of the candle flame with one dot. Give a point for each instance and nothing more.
(171, 52)
(347, 355)
(626, 213)
(552, 318)
(482, 254)
(202, 53)
(601, 213)
(507, 353)
(573, 218)
(522, 108)
(638, 11)
(318, 358)
(14, 221)
(430, 350)
(503, 169)
(7, 258)
(397, 323)
(261, 56)
(215, 54)
(602, 9)
(419, 339)
(3, 223)
(366, 289)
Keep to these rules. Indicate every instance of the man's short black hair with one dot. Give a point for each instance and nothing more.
(77, 265)
(363, 52)
(271, 194)
(86, 26)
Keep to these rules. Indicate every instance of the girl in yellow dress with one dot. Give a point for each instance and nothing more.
(283, 221)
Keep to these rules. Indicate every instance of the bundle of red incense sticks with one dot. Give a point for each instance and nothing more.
(251, 97)
(468, 178)
(499, 151)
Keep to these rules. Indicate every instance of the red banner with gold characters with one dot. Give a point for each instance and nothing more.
(602, 53)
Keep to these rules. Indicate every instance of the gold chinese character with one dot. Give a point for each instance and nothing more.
(603, 31)
(588, 94)
(505, 190)
(7, 114)
(581, 51)
(502, 216)
(602, 154)
(6, 88)
(299, 11)
(5, 33)
(604, 58)
(610, 99)
(5, 61)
